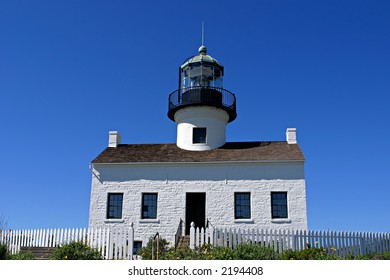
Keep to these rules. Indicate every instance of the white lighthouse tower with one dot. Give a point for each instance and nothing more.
(201, 107)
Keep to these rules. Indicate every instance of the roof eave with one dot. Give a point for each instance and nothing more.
(197, 162)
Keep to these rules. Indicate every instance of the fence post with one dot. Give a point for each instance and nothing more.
(281, 240)
(212, 232)
(234, 240)
(362, 244)
(230, 238)
(109, 244)
(206, 235)
(239, 240)
(294, 240)
(192, 235)
(289, 241)
(202, 233)
(131, 241)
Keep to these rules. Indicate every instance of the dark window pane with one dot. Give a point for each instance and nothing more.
(114, 205)
(149, 206)
(242, 206)
(279, 205)
(137, 245)
(199, 135)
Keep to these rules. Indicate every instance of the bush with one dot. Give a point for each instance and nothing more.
(22, 256)
(308, 254)
(221, 253)
(247, 251)
(376, 256)
(186, 254)
(385, 255)
(146, 252)
(4, 255)
(243, 251)
(76, 251)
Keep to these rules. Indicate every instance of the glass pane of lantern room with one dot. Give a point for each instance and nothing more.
(185, 78)
(207, 75)
(207, 70)
(217, 77)
(218, 83)
(185, 83)
(194, 74)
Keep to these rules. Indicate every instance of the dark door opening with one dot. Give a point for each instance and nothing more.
(195, 210)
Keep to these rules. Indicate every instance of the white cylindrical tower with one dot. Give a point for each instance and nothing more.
(201, 107)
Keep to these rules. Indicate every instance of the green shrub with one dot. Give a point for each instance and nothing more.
(376, 256)
(207, 252)
(187, 254)
(386, 255)
(76, 251)
(257, 251)
(4, 255)
(22, 256)
(243, 251)
(221, 253)
(146, 252)
(308, 254)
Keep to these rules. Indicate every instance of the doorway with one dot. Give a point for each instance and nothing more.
(195, 210)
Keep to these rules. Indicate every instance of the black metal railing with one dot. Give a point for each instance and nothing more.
(209, 224)
(208, 96)
(156, 239)
(179, 233)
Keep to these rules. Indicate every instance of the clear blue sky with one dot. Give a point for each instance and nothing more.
(70, 71)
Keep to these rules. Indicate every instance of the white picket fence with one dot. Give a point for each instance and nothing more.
(342, 244)
(112, 243)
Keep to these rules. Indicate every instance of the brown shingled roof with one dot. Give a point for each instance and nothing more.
(233, 151)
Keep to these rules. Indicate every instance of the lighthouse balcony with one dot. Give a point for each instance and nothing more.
(202, 96)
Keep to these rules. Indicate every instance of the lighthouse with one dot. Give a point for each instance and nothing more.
(202, 179)
(201, 107)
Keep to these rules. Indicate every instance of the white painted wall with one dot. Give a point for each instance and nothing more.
(213, 119)
(218, 180)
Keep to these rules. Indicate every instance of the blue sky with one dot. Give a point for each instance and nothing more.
(70, 71)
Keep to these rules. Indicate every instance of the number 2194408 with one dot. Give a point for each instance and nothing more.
(242, 270)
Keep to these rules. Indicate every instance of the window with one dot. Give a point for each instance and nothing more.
(149, 206)
(137, 245)
(279, 205)
(242, 205)
(199, 135)
(114, 205)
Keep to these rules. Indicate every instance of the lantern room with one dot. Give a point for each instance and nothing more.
(200, 84)
(201, 71)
